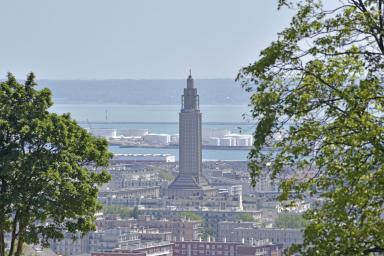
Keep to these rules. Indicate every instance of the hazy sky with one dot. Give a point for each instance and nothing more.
(139, 39)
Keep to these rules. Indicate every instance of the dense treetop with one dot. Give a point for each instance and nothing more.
(46, 187)
(319, 86)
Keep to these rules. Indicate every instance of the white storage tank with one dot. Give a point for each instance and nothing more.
(243, 142)
(175, 139)
(233, 137)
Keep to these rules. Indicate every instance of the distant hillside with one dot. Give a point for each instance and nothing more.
(212, 91)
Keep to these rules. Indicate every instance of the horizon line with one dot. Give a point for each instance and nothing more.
(132, 79)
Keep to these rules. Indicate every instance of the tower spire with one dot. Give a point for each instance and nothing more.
(190, 80)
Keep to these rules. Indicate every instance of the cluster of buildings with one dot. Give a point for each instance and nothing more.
(142, 137)
(186, 208)
(211, 137)
(177, 235)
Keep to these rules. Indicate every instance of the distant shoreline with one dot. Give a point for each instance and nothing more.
(165, 123)
(176, 146)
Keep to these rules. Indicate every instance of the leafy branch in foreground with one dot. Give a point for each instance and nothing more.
(46, 187)
(320, 85)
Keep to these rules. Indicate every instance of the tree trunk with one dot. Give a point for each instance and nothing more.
(2, 231)
(13, 237)
(2, 219)
(20, 243)
(2, 243)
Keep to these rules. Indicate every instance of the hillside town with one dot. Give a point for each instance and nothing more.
(155, 205)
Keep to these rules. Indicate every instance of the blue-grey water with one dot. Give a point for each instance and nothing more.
(149, 113)
(169, 128)
(161, 119)
(209, 155)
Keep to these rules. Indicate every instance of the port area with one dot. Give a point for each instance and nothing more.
(208, 147)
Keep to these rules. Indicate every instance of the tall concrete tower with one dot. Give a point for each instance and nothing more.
(190, 180)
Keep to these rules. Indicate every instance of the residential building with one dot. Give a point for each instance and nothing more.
(197, 248)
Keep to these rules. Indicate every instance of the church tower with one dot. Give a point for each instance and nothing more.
(190, 180)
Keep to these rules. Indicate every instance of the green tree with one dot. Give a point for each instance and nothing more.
(123, 211)
(247, 217)
(135, 212)
(320, 86)
(191, 216)
(207, 232)
(167, 175)
(289, 221)
(46, 186)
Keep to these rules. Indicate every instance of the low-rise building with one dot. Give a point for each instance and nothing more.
(112, 239)
(142, 249)
(196, 248)
(211, 217)
(152, 192)
(69, 246)
(132, 158)
(248, 232)
(157, 139)
(180, 228)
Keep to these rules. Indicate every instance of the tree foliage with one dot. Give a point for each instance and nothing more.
(123, 211)
(287, 220)
(247, 217)
(320, 86)
(191, 216)
(166, 175)
(45, 184)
